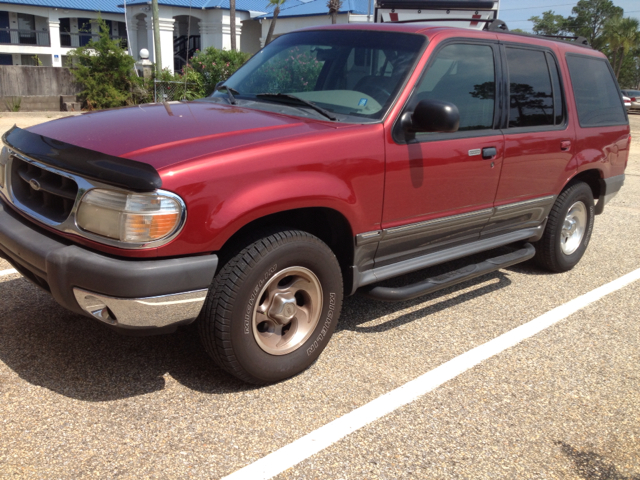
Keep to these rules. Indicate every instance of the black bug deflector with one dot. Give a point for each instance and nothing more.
(116, 171)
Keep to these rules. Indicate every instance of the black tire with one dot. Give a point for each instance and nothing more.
(262, 278)
(557, 251)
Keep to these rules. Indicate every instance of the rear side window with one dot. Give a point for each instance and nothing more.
(596, 92)
(531, 90)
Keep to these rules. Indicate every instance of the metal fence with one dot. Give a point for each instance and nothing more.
(170, 91)
(81, 39)
(15, 36)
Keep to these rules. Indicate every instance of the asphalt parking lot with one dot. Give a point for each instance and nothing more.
(78, 401)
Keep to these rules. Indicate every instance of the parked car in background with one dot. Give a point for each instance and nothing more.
(627, 102)
(634, 99)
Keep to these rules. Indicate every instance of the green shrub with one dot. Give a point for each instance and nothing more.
(216, 65)
(187, 84)
(13, 103)
(105, 71)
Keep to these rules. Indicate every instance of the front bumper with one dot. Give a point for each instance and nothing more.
(125, 293)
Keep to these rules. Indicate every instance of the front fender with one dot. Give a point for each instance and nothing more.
(342, 170)
(288, 192)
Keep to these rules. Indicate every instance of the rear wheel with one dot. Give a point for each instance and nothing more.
(568, 229)
(272, 308)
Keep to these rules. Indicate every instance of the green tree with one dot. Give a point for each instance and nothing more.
(630, 72)
(549, 24)
(105, 71)
(623, 37)
(590, 19)
(272, 25)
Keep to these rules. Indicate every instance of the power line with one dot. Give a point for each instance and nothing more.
(541, 6)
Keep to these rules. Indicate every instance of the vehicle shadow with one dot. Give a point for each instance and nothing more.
(360, 309)
(592, 466)
(80, 358)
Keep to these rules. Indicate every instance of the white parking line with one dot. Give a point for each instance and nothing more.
(325, 436)
(11, 271)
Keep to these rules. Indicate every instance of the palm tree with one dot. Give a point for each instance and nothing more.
(232, 22)
(272, 25)
(334, 7)
(622, 35)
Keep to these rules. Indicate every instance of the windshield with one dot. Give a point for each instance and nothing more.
(347, 73)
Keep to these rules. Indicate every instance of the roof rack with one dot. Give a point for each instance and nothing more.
(438, 4)
(492, 24)
(576, 38)
(497, 25)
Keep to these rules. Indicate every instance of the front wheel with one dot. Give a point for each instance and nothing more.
(568, 229)
(272, 308)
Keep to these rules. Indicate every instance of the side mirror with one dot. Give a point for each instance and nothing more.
(432, 116)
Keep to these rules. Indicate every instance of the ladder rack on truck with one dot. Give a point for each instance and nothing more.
(463, 13)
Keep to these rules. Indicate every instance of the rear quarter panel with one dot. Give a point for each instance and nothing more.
(603, 148)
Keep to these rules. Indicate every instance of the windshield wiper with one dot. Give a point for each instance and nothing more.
(301, 101)
(230, 92)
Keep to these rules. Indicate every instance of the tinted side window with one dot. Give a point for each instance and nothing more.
(595, 90)
(465, 76)
(530, 90)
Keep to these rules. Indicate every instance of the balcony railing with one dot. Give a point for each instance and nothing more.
(14, 36)
(74, 40)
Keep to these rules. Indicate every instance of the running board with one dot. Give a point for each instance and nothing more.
(389, 294)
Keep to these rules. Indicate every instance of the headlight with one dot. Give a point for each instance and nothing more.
(4, 160)
(130, 217)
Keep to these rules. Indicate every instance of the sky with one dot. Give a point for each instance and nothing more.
(516, 12)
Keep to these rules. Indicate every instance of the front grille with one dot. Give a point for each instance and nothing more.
(43, 192)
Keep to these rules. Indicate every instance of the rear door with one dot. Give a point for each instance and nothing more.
(539, 141)
(440, 187)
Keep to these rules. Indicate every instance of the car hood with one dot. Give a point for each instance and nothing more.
(165, 134)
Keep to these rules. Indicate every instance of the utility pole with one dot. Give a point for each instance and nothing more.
(156, 37)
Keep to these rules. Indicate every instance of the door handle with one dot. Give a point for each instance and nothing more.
(565, 145)
(489, 152)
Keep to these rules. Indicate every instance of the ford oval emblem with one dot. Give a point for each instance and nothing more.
(35, 184)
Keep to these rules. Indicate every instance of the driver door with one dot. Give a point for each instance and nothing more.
(440, 187)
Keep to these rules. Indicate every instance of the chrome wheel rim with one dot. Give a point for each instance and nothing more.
(573, 228)
(288, 310)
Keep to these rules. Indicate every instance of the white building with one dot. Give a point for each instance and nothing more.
(42, 32)
(310, 13)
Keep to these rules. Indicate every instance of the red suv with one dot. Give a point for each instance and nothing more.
(336, 158)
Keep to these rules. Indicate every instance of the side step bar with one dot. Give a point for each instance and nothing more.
(445, 280)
